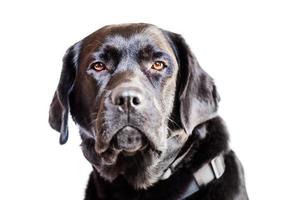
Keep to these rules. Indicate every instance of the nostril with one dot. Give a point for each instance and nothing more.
(120, 101)
(136, 101)
(126, 98)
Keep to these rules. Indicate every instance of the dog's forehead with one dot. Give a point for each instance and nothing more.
(127, 36)
(140, 38)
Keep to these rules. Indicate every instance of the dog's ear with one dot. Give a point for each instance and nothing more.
(196, 89)
(59, 108)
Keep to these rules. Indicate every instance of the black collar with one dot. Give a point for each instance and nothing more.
(209, 171)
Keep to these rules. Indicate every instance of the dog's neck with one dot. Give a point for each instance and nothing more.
(208, 172)
(205, 136)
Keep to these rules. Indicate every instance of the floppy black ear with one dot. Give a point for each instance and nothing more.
(59, 108)
(197, 92)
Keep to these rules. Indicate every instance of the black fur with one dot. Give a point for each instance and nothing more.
(59, 108)
(181, 100)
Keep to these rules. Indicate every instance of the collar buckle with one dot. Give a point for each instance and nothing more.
(218, 166)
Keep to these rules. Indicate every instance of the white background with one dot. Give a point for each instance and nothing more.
(251, 49)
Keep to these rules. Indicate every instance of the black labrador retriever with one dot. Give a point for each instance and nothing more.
(147, 114)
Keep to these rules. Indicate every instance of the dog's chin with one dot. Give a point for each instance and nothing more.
(120, 149)
(134, 161)
(130, 165)
(125, 157)
(114, 156)
(133, 166)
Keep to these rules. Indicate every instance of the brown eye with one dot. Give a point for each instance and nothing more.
(158, 65)
(98, 66)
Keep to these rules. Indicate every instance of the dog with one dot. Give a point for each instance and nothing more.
(147, 117)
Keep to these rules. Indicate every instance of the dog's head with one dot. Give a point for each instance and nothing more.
(131, 88)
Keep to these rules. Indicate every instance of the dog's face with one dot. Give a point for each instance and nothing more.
(132, 89)
(126, 89)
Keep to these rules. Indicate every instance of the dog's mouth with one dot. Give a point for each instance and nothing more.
(128, 141)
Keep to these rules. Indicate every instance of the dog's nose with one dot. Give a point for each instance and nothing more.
(127, 97)
(129, 139)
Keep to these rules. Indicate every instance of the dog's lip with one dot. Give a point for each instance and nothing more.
(132, 152)
(149, 142)
(143, 145)
(110, 155)
(102, 147)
